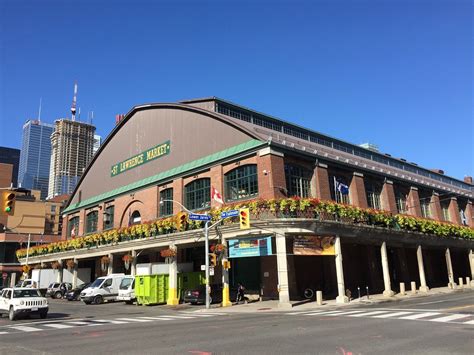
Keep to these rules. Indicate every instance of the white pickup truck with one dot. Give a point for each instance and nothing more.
(16, 301)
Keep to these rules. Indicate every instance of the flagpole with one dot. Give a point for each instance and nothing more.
(335, 189)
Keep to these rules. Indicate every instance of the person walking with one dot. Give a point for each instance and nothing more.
(240, 293)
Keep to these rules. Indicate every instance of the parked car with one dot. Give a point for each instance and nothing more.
(104, 288)
(58, 289)
(75, 293)
(198, 295)
(17, 301)
(127, 290)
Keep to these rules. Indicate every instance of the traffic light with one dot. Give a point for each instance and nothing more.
(244, 214)
(181, 220)
(226, 264)
(212, 259)
(8, 203)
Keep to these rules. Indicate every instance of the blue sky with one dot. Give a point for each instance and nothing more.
(394, 73)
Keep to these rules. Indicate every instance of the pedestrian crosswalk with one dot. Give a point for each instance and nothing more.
(75, 323)
(417, 315)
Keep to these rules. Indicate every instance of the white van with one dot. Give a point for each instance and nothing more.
(105, 288)
(127, 290)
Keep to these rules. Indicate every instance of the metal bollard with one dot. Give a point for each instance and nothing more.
(367, 289)
(413, 287)
(460, 282)
(468, 281)
(402, 289)
(319, 298)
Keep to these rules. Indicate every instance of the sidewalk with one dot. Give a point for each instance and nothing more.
(273, 305)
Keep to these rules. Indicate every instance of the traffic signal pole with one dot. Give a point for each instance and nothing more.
(206, 246)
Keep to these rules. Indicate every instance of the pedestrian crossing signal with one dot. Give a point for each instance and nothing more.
(244, 215)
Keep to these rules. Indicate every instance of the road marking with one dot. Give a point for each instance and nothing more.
(450, 318)
(1, 333)
(396, 314)
(155, 318)
(367, 314)
(321, 313)
(202, 315)
(345, 313)
(110, 321)
(178, 317)
(419, 304)
(420, 315)
(25, 328)
(134, 320)
(81, 323)
(58, 326)
(469, 322)
(456, 308)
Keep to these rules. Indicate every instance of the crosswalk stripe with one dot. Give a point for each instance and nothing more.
(321, 313)
(450, 318)
(367, 314)
(81, 323)
(155, 318)
(344, 313)
(469, 322)
(1, 333)
(178, 317)
(396, 314)
(58, 326)
(110, 321)
(24, 328)
(203, 315)
(134, 320)
(420, 315)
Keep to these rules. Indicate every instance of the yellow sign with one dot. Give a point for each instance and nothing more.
(142, 158)
(313, 245)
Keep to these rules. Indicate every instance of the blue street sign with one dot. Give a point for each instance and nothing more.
(231, 213)
(199, 217)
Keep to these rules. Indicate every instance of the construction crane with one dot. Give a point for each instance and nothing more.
(74, 101)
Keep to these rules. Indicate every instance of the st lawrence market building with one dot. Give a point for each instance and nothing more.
(324, 214)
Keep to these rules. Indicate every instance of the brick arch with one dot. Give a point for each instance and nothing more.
(137, 205)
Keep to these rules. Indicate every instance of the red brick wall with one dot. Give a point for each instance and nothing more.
(413, 201)
(435, 207)
(320, 182)
(468, 213)
(271, 176)
(454, 211)
(357, 191)
(388, 197)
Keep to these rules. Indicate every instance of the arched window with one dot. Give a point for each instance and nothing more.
(241, 183)
(109, 217)
(166, 208)
(135, 218)
(91, 221)
(298, 181)
(73, 227)
(198, 194)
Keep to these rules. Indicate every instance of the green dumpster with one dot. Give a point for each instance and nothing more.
(151, 289)
(189, 281)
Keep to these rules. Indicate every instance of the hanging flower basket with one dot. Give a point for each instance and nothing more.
(26, 269)
(127, 260)
(168, 253)
(104, 262)
(55, 265)
(218, 248)
(70, 264)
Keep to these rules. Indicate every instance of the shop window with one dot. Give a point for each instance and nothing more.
(91, 222)
(166, 207)
(73, 227)
(298, 181)
(135, 218)
(198, 194)
(109, 217)
(241, 183)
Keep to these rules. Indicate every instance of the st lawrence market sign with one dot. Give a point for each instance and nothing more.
(142, 158)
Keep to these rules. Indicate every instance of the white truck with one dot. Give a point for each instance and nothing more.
(16, 301)
(104, 288)
(127, 290)
(40, 278)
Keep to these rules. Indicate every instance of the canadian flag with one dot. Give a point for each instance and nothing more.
(216, 196)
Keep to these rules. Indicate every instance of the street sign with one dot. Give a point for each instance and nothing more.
(211, 271)
(231, 213)
(203, 267)
(4, 276)
(199, 217)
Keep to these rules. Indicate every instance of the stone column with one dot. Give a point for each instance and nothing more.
(133, 271)
(435, 205)
(173, 281)
(320, 186)
(341, 291)
(386, 272)
(388, 197)
(454, 211)
(413, 201)
(471, 264)
(282, 269)
(110, 268)
(357, 191)
(451, 283)
(421, 269)
(226, 301)
(74, 274)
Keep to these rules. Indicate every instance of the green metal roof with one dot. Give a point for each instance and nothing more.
(165, 175)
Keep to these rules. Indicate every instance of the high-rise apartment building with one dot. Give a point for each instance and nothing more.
(72, 144)
(35, 156)
(97, 142)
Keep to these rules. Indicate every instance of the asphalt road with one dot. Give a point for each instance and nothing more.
(440, 324)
